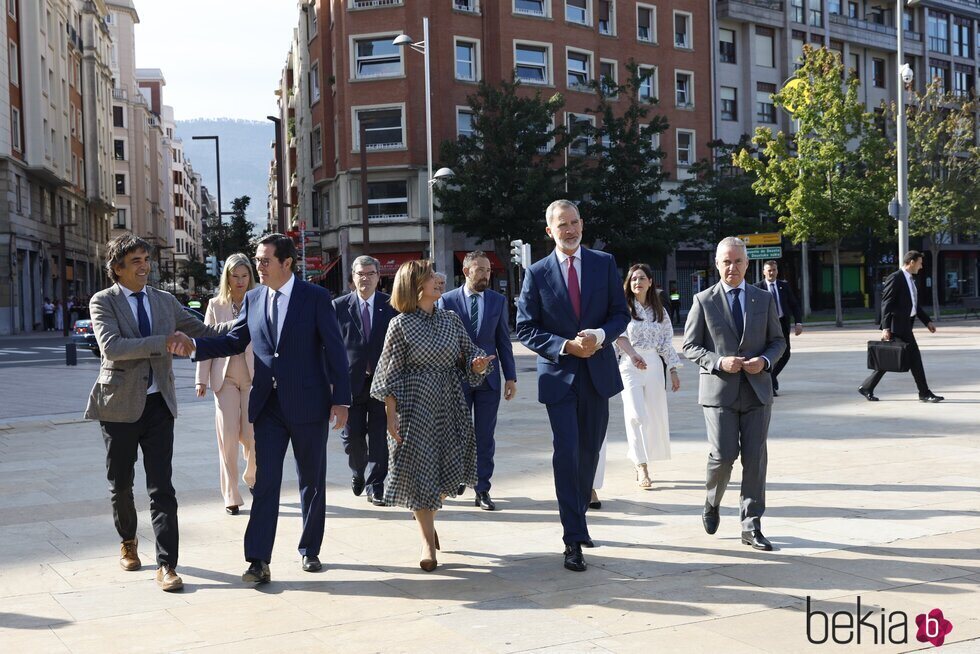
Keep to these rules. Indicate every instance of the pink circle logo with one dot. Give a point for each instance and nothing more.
(933, 627)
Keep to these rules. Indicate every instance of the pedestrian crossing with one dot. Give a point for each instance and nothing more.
(36, 350)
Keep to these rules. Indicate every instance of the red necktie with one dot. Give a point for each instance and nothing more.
(574, 293)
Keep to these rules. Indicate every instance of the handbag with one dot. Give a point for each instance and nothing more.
(889, 356)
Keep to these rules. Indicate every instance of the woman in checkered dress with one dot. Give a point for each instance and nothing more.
(432, 446)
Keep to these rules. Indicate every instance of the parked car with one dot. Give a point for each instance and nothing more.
(194, 312)
(83, 336)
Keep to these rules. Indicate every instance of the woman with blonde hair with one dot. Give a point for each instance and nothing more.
(231, 380)
(431, 442)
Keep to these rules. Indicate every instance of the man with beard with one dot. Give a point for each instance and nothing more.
(484, 312)
(571, 304)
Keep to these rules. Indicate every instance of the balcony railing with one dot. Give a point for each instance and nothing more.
(385, 146)
(119, 94)
(529, 12)
(470, 6)
(774, 5)
(374, 4)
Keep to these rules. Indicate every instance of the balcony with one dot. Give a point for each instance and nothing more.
(538, 13)
(868, 32)
(119, 94)
(468, 6)
(374, 4)
(763, 12)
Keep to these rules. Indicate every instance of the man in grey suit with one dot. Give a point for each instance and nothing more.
(733, 334)
(134, 398)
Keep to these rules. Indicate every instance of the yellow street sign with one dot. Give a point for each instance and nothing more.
(754, 240)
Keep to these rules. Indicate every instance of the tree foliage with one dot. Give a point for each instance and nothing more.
(225, 238)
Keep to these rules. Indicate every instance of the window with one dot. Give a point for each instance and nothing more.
(383, 128)
(765, 54)
(648, 84)
(607, 18)
(853, 10)
(940, 72)
(311, 21)
(683, 88)
(835, 7)
(608, 73)
(118, 119)
(466, 5)
(646, 23)
(12, 8)
(878, 73)
(816, 13)
(729, 103)
(938, 26)
(464, 122)
(726, 46)
(13, 64)
(579, 69)
(579, 126)
(531, 64)
(796, 12)
(119, 149)
(961, 37)
(15, 129)
(467, 66)
(121, 222)
(685, 147)
(316, 147)
(765, 110)
(962, 80)
(855, 65)
(531, 7)
(313, 77)
(120, 184)
(682, 30)
(796, 49)
(577, 11)
(377, 57)
(387, 201)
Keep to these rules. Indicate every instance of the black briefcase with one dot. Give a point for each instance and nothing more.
(888, 356)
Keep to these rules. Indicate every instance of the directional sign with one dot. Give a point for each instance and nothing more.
(764, 253)
(754, 240)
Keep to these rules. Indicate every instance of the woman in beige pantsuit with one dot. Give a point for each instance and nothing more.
(231, 380)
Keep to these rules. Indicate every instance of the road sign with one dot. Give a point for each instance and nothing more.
(764, 253)
(755, 240)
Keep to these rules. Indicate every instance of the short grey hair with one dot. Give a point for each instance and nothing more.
(730, 242)
(557, 206)
(473, 256)
(365, 260)
(440, 275)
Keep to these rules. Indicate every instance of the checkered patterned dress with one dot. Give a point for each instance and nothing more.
(424, 361)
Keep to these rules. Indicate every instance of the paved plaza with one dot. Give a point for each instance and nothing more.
(872, 500)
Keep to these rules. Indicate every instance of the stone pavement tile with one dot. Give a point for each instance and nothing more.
(141, 593)
(866, 530)
(546, 574)
(796, 539)
(27, 579)
(42, 639)
(96, 572)
(30, 612)
(584, 647)
(338, 602)
(700, 552)
(689, 638)
(797, 577)
(947, 550)
(302, 642)
(399, 635)
(266, 613)
(454, 582)
(887, 566)
(147, 631)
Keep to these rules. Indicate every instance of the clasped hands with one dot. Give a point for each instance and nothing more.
(180, 344)
(752, 366)
(583, 345)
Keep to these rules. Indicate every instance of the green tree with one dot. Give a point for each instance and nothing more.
(619, 183)
(506, 171)
(195, 269)
(827, 181)
(241, 231)
(943, 171)
(717, 199)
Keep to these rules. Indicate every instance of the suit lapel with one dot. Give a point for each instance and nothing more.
(355, 315)
(261, 304)
(588, 283)
(125, 310)
(296, 301)
(157, 310)
(721, 305)
(557, 284)
(485, 318)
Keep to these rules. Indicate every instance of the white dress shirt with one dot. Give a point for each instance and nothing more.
(912, 291)
(481, 306)
(741, 299)
(600, 335)
(285, 290)
(774, 289)
(134, 305)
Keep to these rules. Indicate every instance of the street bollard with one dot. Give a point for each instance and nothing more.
(71, 354)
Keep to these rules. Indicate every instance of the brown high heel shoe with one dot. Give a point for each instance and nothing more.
(430, 564)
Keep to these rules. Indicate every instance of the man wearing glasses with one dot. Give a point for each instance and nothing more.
(364, 315)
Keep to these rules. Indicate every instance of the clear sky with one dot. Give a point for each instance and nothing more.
(221, 58)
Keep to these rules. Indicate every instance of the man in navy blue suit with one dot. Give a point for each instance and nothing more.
(484, 312)
(301, 384)
(364, 315)
(570, 311)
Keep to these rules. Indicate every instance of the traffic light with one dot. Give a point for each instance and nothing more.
(212, 263)
(520, 253)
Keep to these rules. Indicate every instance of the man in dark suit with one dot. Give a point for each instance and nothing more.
(570, 311)
(364, 315)
(787, 308)
(484, 312)
(734, 336)
(301, 384)
(899, 308)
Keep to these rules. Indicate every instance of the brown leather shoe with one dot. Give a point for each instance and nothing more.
(129, 559)
(168, 579)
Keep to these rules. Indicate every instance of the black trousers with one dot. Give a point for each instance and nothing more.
(154, 434)
(918, 372)
(365, 440)
(783, 360)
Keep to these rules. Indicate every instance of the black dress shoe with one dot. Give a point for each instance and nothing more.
(312, 564)
(931, 397)
(574, 560)
(868, 395)
(594, 502)
(588, 542)
(357, 485)
(257, 573)
(231, 510)
(484, 502)
(375, 499)
(461, 489)
(710, 518)
(756, 540)
(775, 393)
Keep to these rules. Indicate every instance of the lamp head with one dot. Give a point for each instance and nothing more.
(402, 40)
(907, 74)
(442, 174)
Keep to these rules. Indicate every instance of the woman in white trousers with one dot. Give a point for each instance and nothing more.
(645, 354)
(231, 380)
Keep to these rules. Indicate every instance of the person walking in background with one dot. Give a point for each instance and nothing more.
(230, 379)
(675, 303)
(59, 316)
(899, 309)
(787, 308)
(571, 305)
(48, 314)
(733, 334)
(426, 354)
(440, 282)
(364, 315)
(484, 313)
(646, 354)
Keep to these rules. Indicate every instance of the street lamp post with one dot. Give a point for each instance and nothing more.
(905, 76)
(280, 182)
(217, 161)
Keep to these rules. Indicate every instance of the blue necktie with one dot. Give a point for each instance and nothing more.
(475, 313)
(275, 320)
(144, 324)
(737, 312)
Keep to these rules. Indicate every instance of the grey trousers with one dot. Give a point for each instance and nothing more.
(739, 429)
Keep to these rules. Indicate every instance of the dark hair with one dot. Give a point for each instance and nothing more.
(473, 256)
(117, 249)
(653, 297)
(771, 263)
(910, 256)
(284, 247)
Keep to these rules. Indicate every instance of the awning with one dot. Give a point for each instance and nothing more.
(495, 264)
(323, 275)
(390, 261)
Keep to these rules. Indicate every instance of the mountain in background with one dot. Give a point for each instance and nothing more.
(245, 155)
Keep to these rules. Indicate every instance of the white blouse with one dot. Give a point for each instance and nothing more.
(648, 334)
